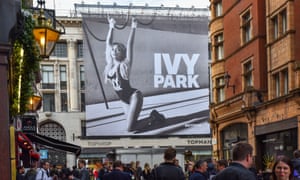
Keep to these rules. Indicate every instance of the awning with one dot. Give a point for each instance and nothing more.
(23, 141)
(47, 141)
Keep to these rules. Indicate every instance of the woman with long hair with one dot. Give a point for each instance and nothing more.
(117, 72)
(282, 169)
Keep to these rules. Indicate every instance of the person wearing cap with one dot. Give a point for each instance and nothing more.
(200, 169)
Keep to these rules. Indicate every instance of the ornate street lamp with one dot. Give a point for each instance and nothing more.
(34, 103)
(45, 32)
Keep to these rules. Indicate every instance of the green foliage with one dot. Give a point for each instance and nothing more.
(23, 70)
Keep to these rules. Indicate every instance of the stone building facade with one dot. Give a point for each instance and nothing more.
(62, 115)
(255, 76)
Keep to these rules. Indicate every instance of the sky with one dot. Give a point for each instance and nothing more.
(66, 6)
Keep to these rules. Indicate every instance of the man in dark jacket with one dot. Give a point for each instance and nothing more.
(83, 173)
(168, 170)
(296, 163)
(239, 168)
(117, 173)
(200, 171)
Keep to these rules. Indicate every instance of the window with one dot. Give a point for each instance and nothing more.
(248, 78)
(48, 102)
(246, 27)
(64, 102)
(277, 84)
(281, 83)
(278, 25)
(218, 8)
(79, 49)
(220, 87)
(82, 105)
(275, 27)
(283, 21)
(48, 77)
(60, 50)
(82, 83)
(219, 50)
(63, 77)
(285, 75)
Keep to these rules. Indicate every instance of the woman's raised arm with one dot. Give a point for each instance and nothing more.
(109, 40)
(129, 53)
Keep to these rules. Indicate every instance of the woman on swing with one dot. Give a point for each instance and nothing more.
(117, 72)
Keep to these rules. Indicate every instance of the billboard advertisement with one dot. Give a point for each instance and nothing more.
(146, 76)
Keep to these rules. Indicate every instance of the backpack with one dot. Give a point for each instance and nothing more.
(30, 175)
(296, 174)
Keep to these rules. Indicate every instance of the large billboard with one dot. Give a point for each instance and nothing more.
(146, 76)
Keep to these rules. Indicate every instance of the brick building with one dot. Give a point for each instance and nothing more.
(255, 76)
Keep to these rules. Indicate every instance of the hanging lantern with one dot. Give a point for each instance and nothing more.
(35, 103)
(45, 32)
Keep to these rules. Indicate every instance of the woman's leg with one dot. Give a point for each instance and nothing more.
(135, 107)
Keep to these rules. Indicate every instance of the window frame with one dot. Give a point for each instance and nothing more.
(219, 46)
(63, 102)
(248, 74)
(48, 106)
(63, 75)
(220, 89)
(218, 7)
(47, 71)
(246, 26)
(60, 50)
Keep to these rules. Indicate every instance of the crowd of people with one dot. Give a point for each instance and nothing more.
(239, 168)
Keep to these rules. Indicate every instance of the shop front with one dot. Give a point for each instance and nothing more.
(275, 139)
(31, 146)
(148, 150)
(52, 150)
(231, 135)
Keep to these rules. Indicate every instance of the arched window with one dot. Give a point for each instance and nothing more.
(55, 131)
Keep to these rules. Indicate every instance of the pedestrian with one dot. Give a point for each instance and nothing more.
(200, 170)
(189, 169)
(75, 172)
(139, 170)
(103, 170)
(221, 165)
(168, 170)
(282, 169)
(242, 159)
(146, 172)
(31, 173)
(20, 173)
(43, 173)
(117, 172)
(296, 163)
(83, 172)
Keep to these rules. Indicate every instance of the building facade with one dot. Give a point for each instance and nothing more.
(255, 78)
(62, 115)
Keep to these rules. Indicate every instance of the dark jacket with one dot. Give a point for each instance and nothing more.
(167, 171)
(116, 175)
(84, 174)
(198, 176)
(30, 174)
(235, 171)
(296, 164)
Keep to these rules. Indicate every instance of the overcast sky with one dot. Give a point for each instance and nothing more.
(65, 6)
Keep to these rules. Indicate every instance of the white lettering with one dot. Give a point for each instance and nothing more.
(176, 81)
(172, 79)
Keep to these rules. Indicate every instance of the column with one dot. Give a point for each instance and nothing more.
(73, 78)
(5, 169)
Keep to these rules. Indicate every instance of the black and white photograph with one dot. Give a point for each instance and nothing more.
(146, 75)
